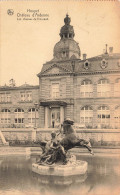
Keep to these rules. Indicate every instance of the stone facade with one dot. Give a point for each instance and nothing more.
(85, 90)
(17, 106)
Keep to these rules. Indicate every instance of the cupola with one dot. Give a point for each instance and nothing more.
(67, 46)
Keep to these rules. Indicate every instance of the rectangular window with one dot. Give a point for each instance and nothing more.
(55, 90)
(2, 97)
(19, 120)
(8, 97)
(25, 96)
(29, 96)
(5, 97)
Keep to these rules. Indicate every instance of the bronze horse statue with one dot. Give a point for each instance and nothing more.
(55, 150)
(71, 140)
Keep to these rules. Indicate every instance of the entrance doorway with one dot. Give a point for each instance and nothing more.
(55, 117)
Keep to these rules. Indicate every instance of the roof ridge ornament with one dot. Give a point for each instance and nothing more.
(67, 19)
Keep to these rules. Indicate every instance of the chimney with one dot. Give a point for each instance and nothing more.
(84, 56)
(110, 50)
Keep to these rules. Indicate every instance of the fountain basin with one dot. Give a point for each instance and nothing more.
(77, 168)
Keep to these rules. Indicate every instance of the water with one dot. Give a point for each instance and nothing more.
(103, 177)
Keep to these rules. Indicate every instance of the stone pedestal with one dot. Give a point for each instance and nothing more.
(72, 169)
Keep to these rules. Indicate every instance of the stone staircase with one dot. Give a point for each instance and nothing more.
(2, 140)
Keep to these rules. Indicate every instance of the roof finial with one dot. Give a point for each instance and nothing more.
(67, 20)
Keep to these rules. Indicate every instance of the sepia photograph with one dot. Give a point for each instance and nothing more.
(60, 97)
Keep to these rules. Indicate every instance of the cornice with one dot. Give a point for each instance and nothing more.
(18, 88)
(52, 75)
(98, 72)
(97, 98)
(52, 66)
(5, 103)
(80, 73)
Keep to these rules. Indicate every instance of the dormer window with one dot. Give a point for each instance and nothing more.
(86, 64)
(104, 63)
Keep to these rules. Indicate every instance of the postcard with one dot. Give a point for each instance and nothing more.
(60, 97)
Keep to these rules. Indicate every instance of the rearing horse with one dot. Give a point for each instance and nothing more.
(55, 150)
(71, 140)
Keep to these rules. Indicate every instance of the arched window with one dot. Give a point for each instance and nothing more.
(103, 115)
(31, 115)
(103, 88)
(5, 116)
(19, 115)
(86, 89)
(117, 88)
(117, 117)
(86, 115)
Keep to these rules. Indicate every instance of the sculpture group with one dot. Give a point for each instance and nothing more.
(55, 151)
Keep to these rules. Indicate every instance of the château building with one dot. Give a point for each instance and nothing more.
(17, 106)
(86, 90)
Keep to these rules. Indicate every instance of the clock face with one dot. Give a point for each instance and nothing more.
(104, 63)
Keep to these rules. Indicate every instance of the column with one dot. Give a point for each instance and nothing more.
(95, 118)
(112, 119)
(46, 117)
(25, 118)
(95, 90)
(61, 114)
(12, 116)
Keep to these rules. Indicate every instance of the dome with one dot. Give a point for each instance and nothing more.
(67, 46)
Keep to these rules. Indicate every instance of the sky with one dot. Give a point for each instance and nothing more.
(25, 45)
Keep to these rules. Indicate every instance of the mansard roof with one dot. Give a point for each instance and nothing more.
(78, 67)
